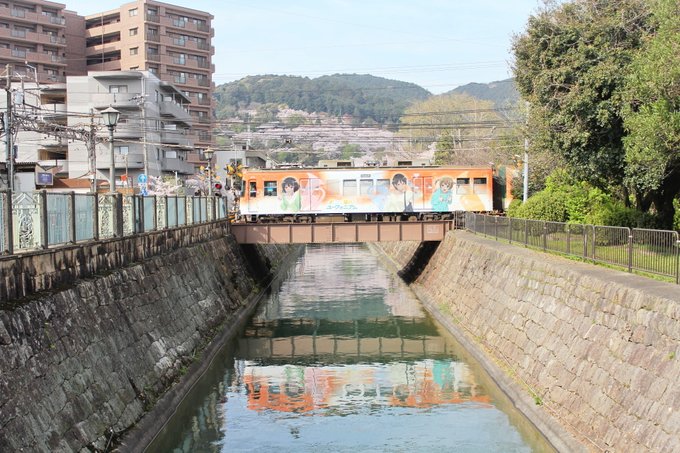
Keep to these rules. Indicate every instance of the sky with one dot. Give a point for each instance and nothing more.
(437, 44)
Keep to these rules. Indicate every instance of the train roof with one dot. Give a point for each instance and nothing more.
(370, 167)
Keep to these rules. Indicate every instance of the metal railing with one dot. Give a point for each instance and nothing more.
(41, 219)
(650, 251)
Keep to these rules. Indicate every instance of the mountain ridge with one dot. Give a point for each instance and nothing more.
(364, 97)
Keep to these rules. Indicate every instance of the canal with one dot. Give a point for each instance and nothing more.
(341, 357)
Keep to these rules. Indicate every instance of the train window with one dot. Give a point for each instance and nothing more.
(462, 185)
(479, 185)
(252, 189)
(333, 186)
(382, 186)
(366, 187)
(349, 187)
(270, 188)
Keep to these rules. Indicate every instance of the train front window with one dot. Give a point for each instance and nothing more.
(366, 187)
(462, 185)
(479, 185)
(349, 187)
(252, 189)
(270, 188)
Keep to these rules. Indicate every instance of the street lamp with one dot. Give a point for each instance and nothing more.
(111, 116)
(208, 154)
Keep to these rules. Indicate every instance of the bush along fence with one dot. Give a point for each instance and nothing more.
(644, 250)
(41, 219)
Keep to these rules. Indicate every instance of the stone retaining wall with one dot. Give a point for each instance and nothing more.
(80, 366)
(597, 348)
(29, 273)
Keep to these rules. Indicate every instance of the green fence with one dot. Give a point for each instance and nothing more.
(650, 251)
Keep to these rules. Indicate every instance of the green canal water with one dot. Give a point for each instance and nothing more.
(341, 357)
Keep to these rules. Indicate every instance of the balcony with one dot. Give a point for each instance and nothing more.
(32, 37)
(177, 137)
(31, 17)
(53, 111)
(108, 66)
(98, 29)
(51, 163)
(180, 166)
(175, 110)
(105, 48)
(128, 161)
(153, 37)
(185, 26)
(117, 100)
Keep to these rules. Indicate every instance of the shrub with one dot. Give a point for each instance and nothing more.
(565, 199)
(544, 205)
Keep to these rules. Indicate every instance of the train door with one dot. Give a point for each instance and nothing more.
(311, 194)
(252, 195)
(422, 192)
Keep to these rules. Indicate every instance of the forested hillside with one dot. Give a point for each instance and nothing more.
(365, 97)
(502, 93)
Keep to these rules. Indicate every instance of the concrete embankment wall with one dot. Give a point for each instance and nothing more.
(597, 348)
(81, 365)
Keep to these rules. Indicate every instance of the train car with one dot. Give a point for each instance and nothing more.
(366, 191)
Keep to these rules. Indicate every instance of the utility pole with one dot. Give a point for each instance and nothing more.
(92, 153)
(525, 193)
(8, 131)
(141, 103)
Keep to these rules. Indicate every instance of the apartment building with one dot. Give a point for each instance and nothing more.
(41, 40)
(153, 132)
(172, 42)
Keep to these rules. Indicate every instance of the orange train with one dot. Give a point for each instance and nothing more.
(372, 191)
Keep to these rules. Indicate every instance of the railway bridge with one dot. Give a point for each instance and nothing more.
(312, 233)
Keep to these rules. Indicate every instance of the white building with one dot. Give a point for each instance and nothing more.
(152, 135)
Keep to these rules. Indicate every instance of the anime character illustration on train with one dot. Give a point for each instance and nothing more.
(442, 197)
(308, 193)
(400, 198)
(290, 195)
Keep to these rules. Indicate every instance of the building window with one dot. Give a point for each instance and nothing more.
(134, 50)
(134, 31)
(133, 12)
(118, 89)
(121, 149)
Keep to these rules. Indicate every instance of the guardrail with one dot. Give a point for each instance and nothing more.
(41, 219)
(651, 251)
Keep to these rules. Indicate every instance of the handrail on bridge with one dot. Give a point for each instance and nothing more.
(41, 219)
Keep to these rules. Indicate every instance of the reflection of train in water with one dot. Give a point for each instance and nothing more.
(341, 390)
(372, 192)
